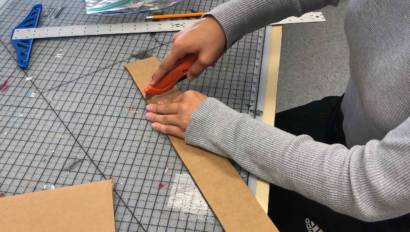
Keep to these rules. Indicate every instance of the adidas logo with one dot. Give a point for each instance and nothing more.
(311, 226)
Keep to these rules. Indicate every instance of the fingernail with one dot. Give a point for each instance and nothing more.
(148, 116)
(149, 108)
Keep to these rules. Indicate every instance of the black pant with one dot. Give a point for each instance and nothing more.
(290, 211)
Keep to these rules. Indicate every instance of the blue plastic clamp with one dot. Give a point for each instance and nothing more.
(23, 46)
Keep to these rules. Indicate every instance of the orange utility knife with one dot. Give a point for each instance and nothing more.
(171, 78)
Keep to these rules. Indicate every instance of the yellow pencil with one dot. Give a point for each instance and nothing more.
(175, 16)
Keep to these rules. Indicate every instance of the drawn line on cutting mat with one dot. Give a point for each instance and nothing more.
(73, 136)
(102, 68)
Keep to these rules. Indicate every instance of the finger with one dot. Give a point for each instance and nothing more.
(164, 101)
(200, 64)
(168, 119)
(170, 108)
(169, 130)
(169, 61)
(195, 70)
(175, 36)
(178, 98)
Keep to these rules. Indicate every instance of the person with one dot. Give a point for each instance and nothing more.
(338, 164)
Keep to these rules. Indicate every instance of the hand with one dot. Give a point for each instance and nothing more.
(173, 116)
(205, 39)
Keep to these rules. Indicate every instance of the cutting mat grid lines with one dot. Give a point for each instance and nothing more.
(75, 116)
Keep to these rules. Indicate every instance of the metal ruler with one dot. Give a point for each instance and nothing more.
(310, 17)
(133, 28)
(101, 29)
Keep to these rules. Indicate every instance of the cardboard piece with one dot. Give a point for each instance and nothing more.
(86, 207)
(228, 196)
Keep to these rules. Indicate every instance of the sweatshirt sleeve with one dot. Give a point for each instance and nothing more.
(238, 17)
(369, 182)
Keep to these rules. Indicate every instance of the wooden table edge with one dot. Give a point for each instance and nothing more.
(269, 107)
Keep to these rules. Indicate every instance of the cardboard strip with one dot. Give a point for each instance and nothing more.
(228, 196)
(86, 207)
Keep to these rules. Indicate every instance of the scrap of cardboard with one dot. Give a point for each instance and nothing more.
(85, 207)
(228, 196)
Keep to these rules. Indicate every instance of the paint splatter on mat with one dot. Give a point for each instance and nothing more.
(73, 165)
(30, 94)
(162, 185)
(4, 86)
(48, 186)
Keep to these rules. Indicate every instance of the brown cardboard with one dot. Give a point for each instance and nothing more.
(86, 207)
(228, 196)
